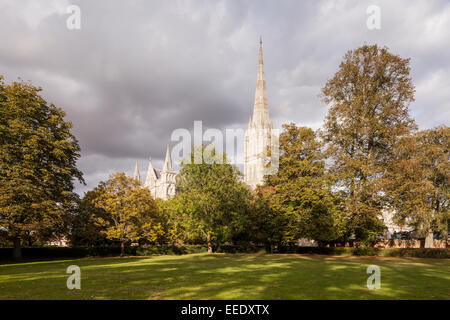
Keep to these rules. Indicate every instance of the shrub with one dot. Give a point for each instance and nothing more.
(238, 249)
(169, 249)
(365, 251)
(313, 250)
(418, 253)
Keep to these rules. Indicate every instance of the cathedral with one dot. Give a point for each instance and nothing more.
(161, 183)
(258, 137)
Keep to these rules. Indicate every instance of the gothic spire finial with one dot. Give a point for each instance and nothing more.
(260, 62)
(150, 178)
(136, 175)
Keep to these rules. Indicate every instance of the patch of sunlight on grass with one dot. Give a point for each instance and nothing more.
(30, 278)
(115, 264)
(227, 270)
(268, 265)
(168, 269)
(25, 264)
(332, 289)
(246, 293)
(339, 267)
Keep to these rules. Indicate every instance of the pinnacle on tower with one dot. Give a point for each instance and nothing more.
(261, 108)
(168, 161)
(151, 176)
(136, 175)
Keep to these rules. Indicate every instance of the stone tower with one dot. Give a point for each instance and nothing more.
(167, 183)
(259, 132)
(161, 183)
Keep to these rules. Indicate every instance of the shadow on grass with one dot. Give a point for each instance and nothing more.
(228, 276)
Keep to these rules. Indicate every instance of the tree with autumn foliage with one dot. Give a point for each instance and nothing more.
(368, 100)
(38, 155)
(300, 194)
(417, 183)
(129, 213)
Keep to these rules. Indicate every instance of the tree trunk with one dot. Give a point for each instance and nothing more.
(208, 239)
(17, 252)
(429, 240)
(122, 248)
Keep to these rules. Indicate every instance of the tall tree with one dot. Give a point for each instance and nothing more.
(268, 225)
(129, 211)
(213, 200)
(174, 223)
(38, 156)
(368, 97)
(301, 189)
(83, 226)
(417, 183)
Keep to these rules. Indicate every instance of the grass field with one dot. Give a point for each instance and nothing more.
(229, 276)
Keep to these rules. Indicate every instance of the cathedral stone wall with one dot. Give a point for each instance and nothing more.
(161, 183)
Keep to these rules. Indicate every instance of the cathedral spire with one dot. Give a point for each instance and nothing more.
(136, 175)
(168, 161)
(258, 137)
(261, 109)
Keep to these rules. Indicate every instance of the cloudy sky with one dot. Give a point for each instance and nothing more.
(137, 70)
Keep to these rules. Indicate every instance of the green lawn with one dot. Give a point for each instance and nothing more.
(229, 276)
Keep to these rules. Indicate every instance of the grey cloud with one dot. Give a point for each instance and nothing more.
(137, 70)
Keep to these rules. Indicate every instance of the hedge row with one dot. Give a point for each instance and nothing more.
(417, 253)
(313, 250)
(238, 249)
(80, 252)
(368, 251)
